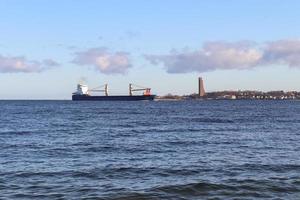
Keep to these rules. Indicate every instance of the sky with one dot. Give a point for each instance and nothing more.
(48, 46)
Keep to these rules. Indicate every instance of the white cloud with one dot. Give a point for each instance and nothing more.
(10, 64)
(225, 55)
(103, 60)
(286, 52)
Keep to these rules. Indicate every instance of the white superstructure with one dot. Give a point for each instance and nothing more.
(82, 90)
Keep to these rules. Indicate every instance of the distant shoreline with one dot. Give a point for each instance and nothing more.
(160, 99)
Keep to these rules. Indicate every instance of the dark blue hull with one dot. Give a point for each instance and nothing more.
(113, 98)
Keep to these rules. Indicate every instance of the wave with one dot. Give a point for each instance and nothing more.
(236, 189)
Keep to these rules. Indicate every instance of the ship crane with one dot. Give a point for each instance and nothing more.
(98, 89)
(133, 88)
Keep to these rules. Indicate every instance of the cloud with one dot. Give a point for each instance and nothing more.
(50, 63)
(285, 52)
(10, 64)
(103, 60)
(225, 55)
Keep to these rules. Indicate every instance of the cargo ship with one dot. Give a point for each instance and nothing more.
(83, 93)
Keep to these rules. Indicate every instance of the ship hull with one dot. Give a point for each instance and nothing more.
(113, 98)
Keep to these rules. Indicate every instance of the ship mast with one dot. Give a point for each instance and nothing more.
(106, 90)
(130, 89)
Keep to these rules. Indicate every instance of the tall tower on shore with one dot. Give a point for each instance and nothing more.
(201, 87)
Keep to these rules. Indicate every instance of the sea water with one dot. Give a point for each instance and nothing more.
(150, 150)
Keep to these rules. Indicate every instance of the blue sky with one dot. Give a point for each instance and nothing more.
(47, 46)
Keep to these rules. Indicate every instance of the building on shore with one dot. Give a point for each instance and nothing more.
(201, 89)
(233, 95)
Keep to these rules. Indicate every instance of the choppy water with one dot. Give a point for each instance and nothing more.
(150, 150)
